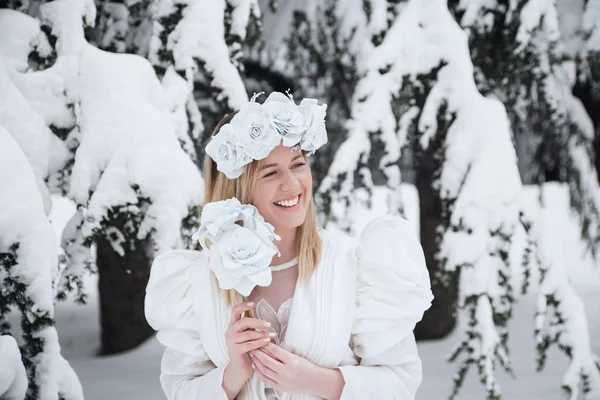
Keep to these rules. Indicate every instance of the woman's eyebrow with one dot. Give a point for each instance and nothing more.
(268, 166)
(275, 164)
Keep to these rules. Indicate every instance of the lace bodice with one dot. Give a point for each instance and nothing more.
(274, 302)
(274, 305)
(279, 319)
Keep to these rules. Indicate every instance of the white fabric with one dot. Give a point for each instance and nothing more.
(356, 313)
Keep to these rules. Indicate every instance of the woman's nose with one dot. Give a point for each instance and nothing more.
(290, 182)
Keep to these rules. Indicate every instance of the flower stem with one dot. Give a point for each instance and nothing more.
(245, 300)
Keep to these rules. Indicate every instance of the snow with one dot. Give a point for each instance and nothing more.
(534, 14)
(13, 377)
(178, 94)
(19, 33)
(172, 192)
(240, 16)
(555, 228)
(127, 112)
(200, 35)
(591, 26)
(134, 375)
(23, 221)
(570, 14)
(26, 126)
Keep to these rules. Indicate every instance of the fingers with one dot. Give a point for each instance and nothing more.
(278, 353)
(238, 310)
(266, 379)
(267, 360)
(248, 336)
(249, 323)
(258, 359)
(246, 347)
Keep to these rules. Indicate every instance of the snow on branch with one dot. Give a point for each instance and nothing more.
(418, 89)
(28, 268)
(191, 36)
(13, 377)
(158, 199)
(560, 317)
(591, 28)
(129, 161)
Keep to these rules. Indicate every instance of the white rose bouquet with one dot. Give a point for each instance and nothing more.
(240, 255)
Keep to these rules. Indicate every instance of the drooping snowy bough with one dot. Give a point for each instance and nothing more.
(110, 145)
(198, 45)
(28, 270)
(13, 377)
(560, 315)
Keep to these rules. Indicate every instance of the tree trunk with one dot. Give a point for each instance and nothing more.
(122, 284)
(440, 319)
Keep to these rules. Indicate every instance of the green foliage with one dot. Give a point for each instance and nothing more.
(121, 224)
(34, 320)
(189, 225)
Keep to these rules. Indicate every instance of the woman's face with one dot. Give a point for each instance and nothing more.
(283, 188)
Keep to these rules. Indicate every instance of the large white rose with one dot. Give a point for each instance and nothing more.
(254, 131)
(241, 260)
(286, 117)
(229, 155)
(257, 224)
(314, 116)
(216, 218)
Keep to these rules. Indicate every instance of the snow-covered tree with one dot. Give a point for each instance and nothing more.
(28, 271)
(419, 92)
(517, 56)
(519, 59)
(122, 26)
(560, 316)
(319, 54)
(121, 162)
(580, 44)
(201, 43)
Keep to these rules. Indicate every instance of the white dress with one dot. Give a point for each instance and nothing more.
(356, 313)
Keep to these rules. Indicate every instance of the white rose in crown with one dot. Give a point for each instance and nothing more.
(229, 155)
(314, 117)
(240, 256)
(286, 117)
(255, 131)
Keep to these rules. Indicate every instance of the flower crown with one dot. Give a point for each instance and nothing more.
(240, 255)
(257, 129)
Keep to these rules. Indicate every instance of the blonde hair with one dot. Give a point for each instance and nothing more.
(218, 187)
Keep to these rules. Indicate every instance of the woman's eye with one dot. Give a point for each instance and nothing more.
(299, 165)
(269, 174)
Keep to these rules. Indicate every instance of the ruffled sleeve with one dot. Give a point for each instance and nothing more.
(186, 370)
(393, 292)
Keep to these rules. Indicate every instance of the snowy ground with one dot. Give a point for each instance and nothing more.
(134, 375)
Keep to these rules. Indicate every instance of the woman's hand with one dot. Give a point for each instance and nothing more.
(288, 372)
(240, 338)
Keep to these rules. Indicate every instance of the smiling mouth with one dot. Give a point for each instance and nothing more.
(288, 203)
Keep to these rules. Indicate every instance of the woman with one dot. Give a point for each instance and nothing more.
(336, 320)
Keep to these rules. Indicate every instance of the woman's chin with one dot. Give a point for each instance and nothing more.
(290, 220)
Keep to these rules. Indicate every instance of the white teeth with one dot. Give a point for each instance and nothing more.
(288, 203)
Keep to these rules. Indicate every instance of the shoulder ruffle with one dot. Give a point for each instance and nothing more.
(393, 286)
(169, 303)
